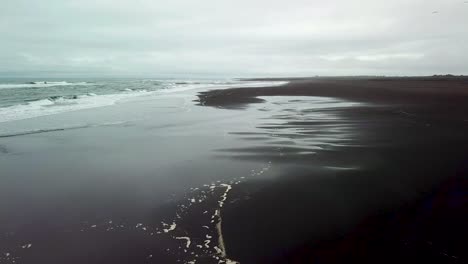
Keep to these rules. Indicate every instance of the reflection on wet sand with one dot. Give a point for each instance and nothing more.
(297, 129)
(381, 187)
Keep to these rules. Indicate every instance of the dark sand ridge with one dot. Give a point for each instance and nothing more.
(406, 202)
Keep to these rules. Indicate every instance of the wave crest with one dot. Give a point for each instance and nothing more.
(40, 84)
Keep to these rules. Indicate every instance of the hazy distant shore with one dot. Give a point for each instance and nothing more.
(397, 194)
(369, 89)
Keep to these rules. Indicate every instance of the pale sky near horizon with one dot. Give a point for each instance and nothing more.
(233, 37)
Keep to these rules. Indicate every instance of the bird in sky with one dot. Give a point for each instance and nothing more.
(435, 12)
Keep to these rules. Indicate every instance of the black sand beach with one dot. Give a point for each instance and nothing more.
(397, 194)
(321, 170)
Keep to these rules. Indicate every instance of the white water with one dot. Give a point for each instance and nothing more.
(49, 107)
(46, 107)
(39, 84)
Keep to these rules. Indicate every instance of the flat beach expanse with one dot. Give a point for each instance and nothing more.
(316, 170)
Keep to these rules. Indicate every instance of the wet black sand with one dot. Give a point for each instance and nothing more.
(399, 194)
(330, 170)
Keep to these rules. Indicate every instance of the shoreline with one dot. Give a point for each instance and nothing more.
(374, 90)
(402, 122)
(321, 170)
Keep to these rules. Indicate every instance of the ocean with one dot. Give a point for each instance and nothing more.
(28, 98)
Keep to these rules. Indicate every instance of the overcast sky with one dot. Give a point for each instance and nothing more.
(233, 37)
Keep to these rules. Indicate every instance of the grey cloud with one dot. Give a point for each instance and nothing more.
(234, 38)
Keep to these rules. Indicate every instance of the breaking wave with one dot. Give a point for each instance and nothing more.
(40, 84)
(60, 104)
(62, 96)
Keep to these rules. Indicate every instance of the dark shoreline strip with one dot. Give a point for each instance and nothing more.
(40, 131)
(433, 91)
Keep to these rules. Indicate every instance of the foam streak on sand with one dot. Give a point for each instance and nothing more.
(172, 227)
(224, 196)
(195, 248)
(221, 248)
(221, 245)
(187, 245)
(206, 247)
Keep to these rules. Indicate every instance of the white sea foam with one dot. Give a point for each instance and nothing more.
(49, 106)
(192, 85)
(39, 84)
(91, 100)
(172, 227)
(187, 241)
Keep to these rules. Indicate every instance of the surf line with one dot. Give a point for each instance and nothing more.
(221, 246)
